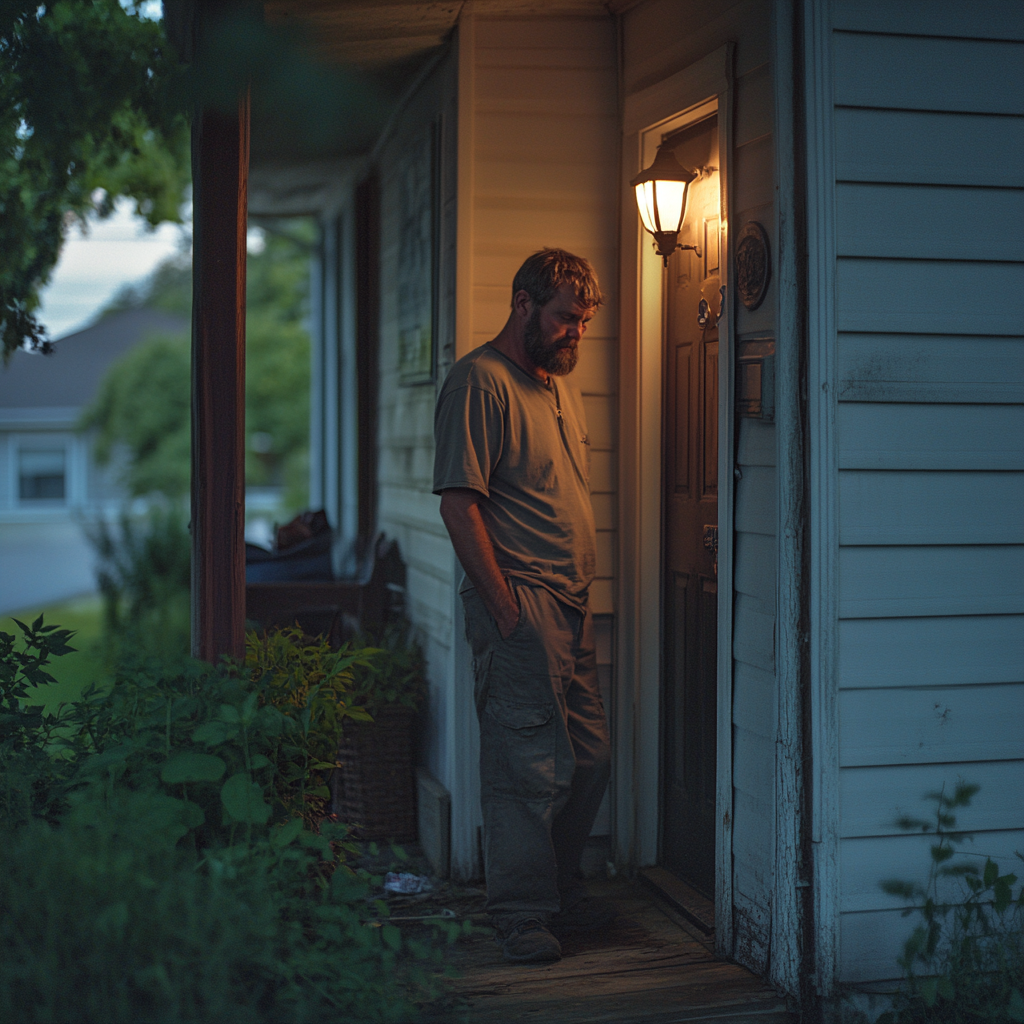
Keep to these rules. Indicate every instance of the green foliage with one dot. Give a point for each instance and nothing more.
(27, 731)
(84, 617)
(91, 109)
(398, 673)
(308, 683)
(143, 572)
(99, 922)
(965, 961)
(94, 106)
(143, 406)
(277, 384)
(156, 864)
(168, 289)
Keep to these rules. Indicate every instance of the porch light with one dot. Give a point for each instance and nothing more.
(661, 194)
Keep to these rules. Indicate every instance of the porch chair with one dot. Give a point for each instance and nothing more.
(337, 608)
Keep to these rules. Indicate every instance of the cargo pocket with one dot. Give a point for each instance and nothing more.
(520, 743)
(481, 679)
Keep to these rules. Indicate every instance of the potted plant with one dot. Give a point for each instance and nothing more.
(374, 787)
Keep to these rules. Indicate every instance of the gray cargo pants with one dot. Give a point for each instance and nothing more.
(544, 750)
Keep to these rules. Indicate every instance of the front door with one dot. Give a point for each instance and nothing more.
(690, 516)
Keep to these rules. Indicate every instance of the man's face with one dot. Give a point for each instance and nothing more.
(553, 332)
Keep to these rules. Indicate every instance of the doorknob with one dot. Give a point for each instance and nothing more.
(711, 543)
(705, 318)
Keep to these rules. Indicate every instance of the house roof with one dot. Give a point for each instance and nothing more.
(68, 379)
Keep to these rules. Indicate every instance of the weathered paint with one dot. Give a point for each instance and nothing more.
(930, 673)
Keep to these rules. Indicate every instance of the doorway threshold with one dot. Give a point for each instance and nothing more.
(686, 901)
(648, 967)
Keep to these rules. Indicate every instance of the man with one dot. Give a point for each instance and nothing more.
(512, 468)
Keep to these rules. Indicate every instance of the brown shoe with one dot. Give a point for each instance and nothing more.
(529, 942)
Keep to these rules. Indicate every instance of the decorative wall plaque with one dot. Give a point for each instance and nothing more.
(753, 264)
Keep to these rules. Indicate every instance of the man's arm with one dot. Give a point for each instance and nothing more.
(460, 510)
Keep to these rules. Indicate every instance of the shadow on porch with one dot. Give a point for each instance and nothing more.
(651, 967)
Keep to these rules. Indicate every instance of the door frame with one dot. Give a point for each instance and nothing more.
(696, 91)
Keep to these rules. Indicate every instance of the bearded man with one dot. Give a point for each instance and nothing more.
(512, 467)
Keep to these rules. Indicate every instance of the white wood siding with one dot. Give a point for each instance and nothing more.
(929, 144)
(406, 508)
(544, 173)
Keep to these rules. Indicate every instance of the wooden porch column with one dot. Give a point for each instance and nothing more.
(220, 168)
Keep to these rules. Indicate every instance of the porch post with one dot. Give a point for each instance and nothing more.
(220, 167)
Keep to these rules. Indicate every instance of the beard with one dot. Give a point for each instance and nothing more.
(558, 361)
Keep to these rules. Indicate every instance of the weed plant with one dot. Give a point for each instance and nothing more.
(964, 961)
(162, 860)
(397, 675)
(143, 573)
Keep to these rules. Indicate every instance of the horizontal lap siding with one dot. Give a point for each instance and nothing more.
(545, 174)
(930, 312)
(407, 510)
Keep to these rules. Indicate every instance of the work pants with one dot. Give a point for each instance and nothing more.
(544, 750)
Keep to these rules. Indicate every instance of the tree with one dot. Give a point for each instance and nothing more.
(92, 108)
(143, 406)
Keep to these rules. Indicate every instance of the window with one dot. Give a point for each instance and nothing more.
(41, 474)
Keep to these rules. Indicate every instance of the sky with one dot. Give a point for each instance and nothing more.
(93, 267)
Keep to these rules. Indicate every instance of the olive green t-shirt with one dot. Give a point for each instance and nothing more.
(523, 445)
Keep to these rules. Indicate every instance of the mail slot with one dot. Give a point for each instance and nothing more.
(755, 385)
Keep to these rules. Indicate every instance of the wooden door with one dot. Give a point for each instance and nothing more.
(690, 516)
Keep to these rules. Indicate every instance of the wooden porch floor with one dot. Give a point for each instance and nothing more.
(652, 967)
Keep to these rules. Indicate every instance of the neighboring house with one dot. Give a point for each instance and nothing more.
(810, 593)
(47, 470)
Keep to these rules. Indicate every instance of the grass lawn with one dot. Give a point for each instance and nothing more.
(73, 672)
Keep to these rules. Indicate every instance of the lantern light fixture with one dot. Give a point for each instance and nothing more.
(661, 194)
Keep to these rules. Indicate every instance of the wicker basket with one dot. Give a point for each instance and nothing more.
(375, 788)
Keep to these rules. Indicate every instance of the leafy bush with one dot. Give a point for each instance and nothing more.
(143, 572)
(306, 683)
(104, 919)
(162, 861)
(965, 961)
(397, 676)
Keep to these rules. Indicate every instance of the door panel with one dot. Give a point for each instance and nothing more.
(689, 656)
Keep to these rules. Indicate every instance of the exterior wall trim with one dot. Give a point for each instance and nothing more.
(823, 496)
(784, 966)
(702, 87)
(462, 753)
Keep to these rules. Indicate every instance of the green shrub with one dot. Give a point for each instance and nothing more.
(964, 962)
(104, 920)
(143, 573)
(161, 858)
(310, 684)
(397, 676)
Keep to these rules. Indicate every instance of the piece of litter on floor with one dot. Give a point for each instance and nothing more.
(406, 883)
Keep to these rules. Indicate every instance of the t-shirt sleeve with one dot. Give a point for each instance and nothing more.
(469, 432)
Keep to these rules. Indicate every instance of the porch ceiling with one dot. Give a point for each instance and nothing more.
(390, 42)
(377, 35)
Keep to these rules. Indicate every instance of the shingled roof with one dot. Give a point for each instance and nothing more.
(68, 379)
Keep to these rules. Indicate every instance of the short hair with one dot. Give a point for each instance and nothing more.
(543, 273)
